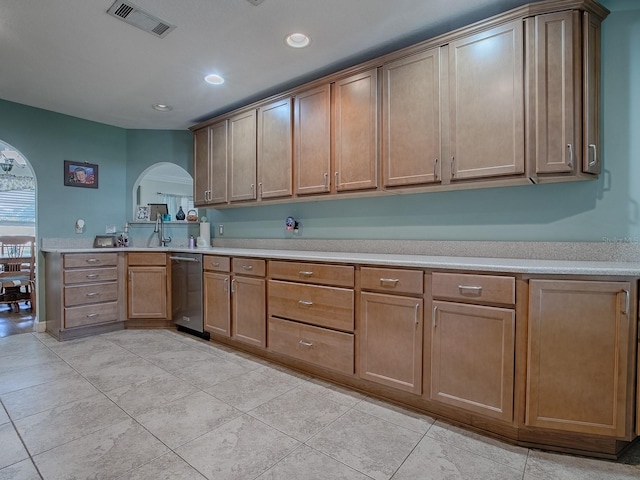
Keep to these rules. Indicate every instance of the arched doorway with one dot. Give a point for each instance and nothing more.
(18, 190)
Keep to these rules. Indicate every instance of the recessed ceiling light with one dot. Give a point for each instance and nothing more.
(297, 40)
(161, 107)
(214, 79)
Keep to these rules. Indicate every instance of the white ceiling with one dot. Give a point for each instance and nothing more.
(71, 57)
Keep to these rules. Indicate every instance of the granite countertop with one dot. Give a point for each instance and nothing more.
(488, 264)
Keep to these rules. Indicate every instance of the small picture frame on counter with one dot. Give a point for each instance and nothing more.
(142, 213)
(156, 209)
(80, 174)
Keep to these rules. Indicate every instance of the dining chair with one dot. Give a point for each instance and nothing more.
(17, 270)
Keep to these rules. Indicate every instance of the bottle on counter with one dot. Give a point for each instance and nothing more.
(180, 215)
(192, 242)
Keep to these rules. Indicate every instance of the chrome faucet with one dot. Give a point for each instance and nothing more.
(162, 240)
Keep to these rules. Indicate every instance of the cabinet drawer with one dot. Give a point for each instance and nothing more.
(216, 263)
(325, 306)
(74, 260)
(145, 258)
(336, 275)
(90, 275)
(319, 346)
(90, 314)
(474, 288)
(392, 280)
(248, 266)
(94, 293)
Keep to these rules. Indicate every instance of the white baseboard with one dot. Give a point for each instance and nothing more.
(41, 327)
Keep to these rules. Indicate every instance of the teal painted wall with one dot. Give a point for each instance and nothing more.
(580, 211)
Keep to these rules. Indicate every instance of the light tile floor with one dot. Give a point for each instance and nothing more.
(156, 404)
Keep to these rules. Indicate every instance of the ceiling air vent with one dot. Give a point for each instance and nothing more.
(134, 15)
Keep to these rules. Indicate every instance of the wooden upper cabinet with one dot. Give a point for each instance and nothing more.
(275, 149)
(591, 162)
(556, 91)
(581, 343)
(355, 127)
(312, 143)
(242, 156)
(201, 160)
(486, 110)
(411, 140)
(218, 163)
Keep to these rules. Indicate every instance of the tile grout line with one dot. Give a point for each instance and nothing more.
(24, 445)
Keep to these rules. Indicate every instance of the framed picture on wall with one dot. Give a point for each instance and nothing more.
(80, 174)
(157, 208)
(142, 213)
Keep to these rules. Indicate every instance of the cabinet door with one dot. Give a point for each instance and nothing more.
(487, 103)
(411, 141)
(242, 156)
(578, 356)
(217, 303)
(201, 159)
(557, 69)
(591, 95)
(219, 191)
(249, 310)
(472, 358)
(355, 126)
(147, 292)
(312, 141)
(275, 150)
(390, 349)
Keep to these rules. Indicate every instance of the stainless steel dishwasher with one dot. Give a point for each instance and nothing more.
(186, 293)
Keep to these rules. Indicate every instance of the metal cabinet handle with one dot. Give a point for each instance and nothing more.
(434, 315)
(233, 285)
(306, 344)
(326, 181)
(570, 147)
(435, 169)
(305, 273)
(305, 303)
(337, 175)
(93, 315)
(260, 190)
(215, 264)
(415, 314)
(392, 281)
(247, 267)
(470, 289)
(92, 275)
(225, 285)
(93, 294)
(92, 260)
(253, 190)
(626, 302)
(453, 166)
(595, 155)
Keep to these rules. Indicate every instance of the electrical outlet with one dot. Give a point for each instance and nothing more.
(221, 230)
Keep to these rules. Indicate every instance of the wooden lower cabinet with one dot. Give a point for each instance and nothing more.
(249, 310)
(147, 292)
(217, 303)
(390, 345)
(579, 357)
(472, 358)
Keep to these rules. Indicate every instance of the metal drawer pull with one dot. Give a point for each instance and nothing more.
(93, 275)
(305, 344)
(216, 264)
(304, 273)
(92, 294)
(595, 155)
(453, 166)
(570, 162)
(92, 315)
(433, 316)
(233, 285)
(92, 260)
(306, 303)
(416, 314)
(470, 289)
(626, 302)
(247, 267)
(435, 169)
(390, 280)
(326, 181)
(225, 286)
